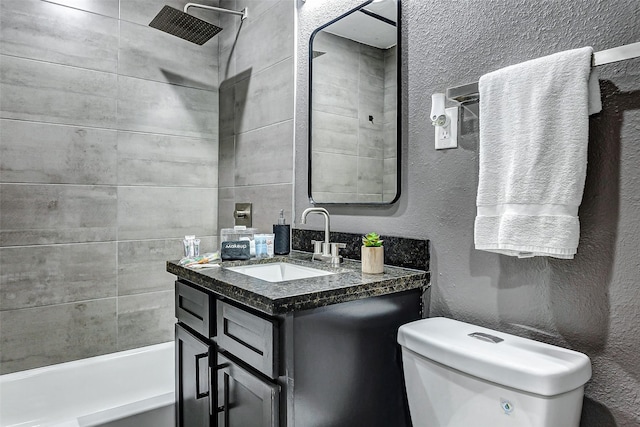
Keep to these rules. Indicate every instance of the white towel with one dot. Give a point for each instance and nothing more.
(534, 129)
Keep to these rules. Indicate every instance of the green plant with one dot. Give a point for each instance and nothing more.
(372, 240)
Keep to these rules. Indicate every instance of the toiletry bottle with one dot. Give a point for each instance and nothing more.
(282, 245)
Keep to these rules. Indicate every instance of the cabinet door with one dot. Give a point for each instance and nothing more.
(245, 399)
(248, 337)
(193, 407)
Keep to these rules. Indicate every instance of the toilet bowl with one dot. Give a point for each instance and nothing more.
(461, 375)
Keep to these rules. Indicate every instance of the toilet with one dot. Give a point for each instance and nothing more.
(460, 375)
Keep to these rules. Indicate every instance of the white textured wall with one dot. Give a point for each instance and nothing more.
(591, 303)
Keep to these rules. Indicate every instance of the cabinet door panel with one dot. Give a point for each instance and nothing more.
(246, 399)
(248, 337)
(193, 309)
(193, 408)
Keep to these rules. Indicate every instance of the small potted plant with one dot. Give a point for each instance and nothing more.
(372, 254)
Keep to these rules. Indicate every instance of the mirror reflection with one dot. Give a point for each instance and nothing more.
(353, 129)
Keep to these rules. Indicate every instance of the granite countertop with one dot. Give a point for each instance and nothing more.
(348, 284)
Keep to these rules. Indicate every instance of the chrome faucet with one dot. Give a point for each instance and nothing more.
(325, 251)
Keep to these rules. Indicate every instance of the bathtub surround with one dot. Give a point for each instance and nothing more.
(126, 121)
(108, 156)
(589, 304)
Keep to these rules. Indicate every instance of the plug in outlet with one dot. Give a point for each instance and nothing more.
(447, 135)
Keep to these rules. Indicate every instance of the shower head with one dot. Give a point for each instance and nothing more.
(183, 25)
(189, 27)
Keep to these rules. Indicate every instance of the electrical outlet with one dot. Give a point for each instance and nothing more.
(447, 136)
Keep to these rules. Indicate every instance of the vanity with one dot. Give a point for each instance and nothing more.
(316, 349)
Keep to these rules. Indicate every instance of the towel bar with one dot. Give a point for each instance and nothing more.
(467, 95)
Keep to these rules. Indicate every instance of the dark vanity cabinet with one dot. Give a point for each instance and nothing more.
(308, 364)
(230, 351)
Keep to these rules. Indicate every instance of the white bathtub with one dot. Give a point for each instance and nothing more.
(133, 388)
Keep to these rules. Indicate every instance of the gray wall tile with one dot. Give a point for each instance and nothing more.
(40, 336)
(231, 26)
(226, 205)
(372, 61)
(164, 142)
(334, 173)
(267, 201)
(336, 96)
(150, 54)
(49, 32)
(137, 312)
(370, 175)
(160, 212)
(142, 263)
(65, 154)
(226, 162)
(227, 114)
(44, 214)
(253, 51)
(369, 198)
(330, 197)
(265, 98)
(341, 58)
(154, 107)
(39, 91)
(371, 143)
(256, 7)
(46, 275)
(333, 133)
(265, 155)
(102, 7)
(390, 175)
(165, 160)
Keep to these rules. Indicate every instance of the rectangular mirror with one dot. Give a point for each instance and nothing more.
(354, 120)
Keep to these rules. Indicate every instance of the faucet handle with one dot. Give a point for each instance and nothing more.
(336, 259)
(335, 248)
(317, 246)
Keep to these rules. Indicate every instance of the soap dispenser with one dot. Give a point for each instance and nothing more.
(282, 238)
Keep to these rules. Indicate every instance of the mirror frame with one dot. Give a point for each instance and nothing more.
(398, 113)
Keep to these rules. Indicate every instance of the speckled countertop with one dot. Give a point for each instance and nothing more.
(348, 284)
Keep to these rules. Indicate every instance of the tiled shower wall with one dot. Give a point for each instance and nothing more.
(108, 156)
(256, 111)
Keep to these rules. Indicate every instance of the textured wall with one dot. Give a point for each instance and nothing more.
(591, 303)
(108, 156)
(256, 111)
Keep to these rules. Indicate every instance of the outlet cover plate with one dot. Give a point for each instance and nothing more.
(447, 136)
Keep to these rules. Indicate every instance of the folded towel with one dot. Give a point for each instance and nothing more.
(534, 129)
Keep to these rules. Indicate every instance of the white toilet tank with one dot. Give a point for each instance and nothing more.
(461, 375)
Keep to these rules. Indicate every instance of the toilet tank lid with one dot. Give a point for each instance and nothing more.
(513, 361)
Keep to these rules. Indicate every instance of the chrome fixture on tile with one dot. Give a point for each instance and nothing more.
(324, 250)
(242, 214)
(188, 27)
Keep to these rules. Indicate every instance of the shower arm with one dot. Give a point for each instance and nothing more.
(242, 13)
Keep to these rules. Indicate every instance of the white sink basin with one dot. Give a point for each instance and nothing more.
(279, 271)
